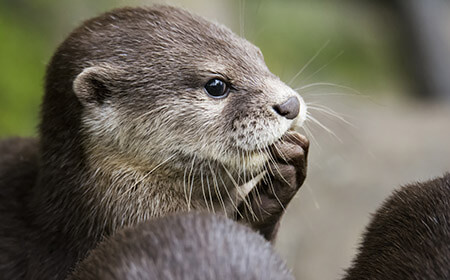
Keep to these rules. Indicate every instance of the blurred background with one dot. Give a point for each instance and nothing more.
(376, 73)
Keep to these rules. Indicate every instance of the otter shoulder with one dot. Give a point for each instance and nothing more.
(18, 172)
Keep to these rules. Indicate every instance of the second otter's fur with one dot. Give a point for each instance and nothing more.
(184, 246)
(409, 235)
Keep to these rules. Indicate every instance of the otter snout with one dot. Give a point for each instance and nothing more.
(288, 109)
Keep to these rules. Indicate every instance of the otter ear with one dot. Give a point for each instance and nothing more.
(94, 84)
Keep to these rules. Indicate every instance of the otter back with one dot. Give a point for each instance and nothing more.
(409, 235)
(184, 246)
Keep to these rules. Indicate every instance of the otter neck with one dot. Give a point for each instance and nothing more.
(94, 199)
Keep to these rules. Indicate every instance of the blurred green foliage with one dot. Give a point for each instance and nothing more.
(29, 33)
(356, 40)
(22, 55)
(359, 53)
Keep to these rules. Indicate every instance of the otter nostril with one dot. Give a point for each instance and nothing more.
(288, 109)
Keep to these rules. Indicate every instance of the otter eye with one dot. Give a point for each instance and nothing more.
(216, 88)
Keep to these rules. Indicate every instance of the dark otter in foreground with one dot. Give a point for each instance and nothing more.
(409, 235)
(186, 246)
(147, 111)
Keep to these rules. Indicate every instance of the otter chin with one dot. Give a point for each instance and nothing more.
(146, 112)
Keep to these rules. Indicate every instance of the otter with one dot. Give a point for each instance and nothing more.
(147, 112)
(409, 235)
(184, 246)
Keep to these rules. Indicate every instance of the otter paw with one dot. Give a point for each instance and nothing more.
(286, 173)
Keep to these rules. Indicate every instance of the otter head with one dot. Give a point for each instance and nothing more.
(154, 83)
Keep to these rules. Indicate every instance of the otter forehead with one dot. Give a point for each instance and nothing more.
(167, 38)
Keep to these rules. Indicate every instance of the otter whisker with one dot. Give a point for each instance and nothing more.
(191, 179)
(330, 112)
(185, 185)
(308, 63)
(216, 188)
(257, 193)
(240, 170)
(245, 158)
(210, 195)
(271, 159)
(322, 106)
(244, 167)
(325, 65)
(266, 180)
(323, 126)
(280, 152)
(270, 183)
(252, 185)
(319, 84)
(247, 196)
(315, 94)
(275, 194)
(241, 190)
(278, 169)
(233, 202)
(203, 188)
(349, 91)
(307, 130)
(153, 169)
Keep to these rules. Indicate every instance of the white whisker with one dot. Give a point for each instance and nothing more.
(324, 127)
(320, 69)
(331, 113)
(191, 182)
(328, 85)
(309, 62)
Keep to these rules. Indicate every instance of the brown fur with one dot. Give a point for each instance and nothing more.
(409, 235)
(129, 134)
(18, 171)
(184, 246)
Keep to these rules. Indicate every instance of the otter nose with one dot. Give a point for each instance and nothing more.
(289, 109)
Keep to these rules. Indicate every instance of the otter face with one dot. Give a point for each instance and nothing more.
(170, 83)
